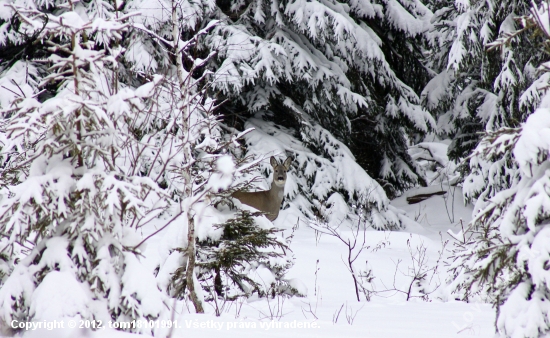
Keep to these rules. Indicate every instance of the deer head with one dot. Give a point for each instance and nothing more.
(279, 170)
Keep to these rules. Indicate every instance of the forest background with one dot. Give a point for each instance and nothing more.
(128, 125)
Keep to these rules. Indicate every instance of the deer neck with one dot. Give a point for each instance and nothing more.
(277, 192)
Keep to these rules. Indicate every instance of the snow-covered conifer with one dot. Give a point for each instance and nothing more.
(478, 88)
(504, 256)
(72, 197)
(310, 66)
(96, 168)
(350, 67)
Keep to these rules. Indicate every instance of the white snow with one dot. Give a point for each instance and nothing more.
(60, 296)
(329, 307)
(320, 272)
(332, 206)
(534, 137)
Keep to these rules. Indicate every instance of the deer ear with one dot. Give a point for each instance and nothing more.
(287, 162)
(273, 162)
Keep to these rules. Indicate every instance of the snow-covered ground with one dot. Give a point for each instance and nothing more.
(332, 287)
(320, 271)
(319, 265)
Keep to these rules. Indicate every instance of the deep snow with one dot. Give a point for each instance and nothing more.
(331, 288)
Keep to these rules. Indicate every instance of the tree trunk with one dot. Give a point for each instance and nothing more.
(190, 271)
(187, 159)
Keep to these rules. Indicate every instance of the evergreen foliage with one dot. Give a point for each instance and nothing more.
(504, 255)
(244, 247)
(126, 123)
(351, 67)
(478, 88)
(354, 68)
(71, 198)
(305, 69)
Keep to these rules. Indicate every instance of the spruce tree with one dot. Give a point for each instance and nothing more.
(353, 68)
(503, 257)
(478, 88)
(243, 247)
(71, 198)
(307, 72)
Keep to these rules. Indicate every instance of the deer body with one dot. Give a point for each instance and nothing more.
(268, 201)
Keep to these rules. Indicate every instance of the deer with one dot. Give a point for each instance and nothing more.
(268, 201)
